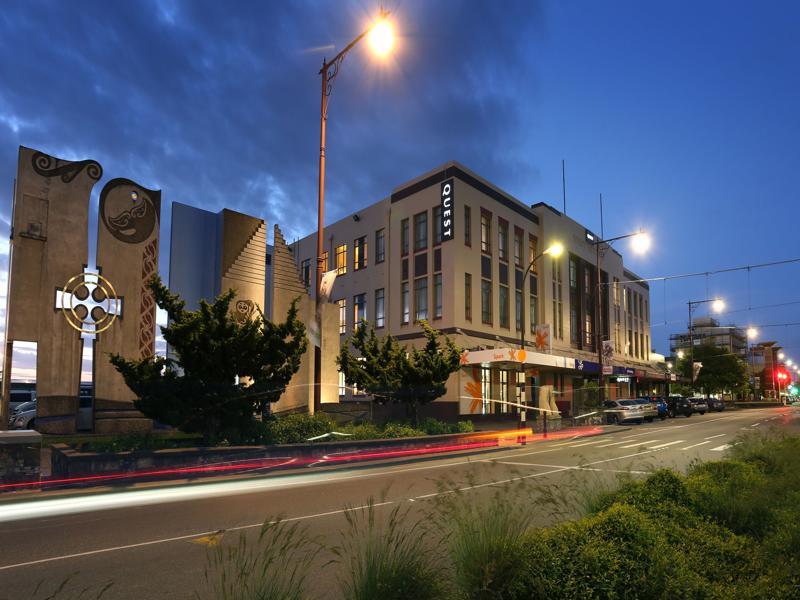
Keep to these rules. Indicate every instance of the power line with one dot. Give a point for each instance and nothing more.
(707, 273)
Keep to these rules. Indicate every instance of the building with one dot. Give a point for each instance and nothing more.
(707, 330)
(765, 365)
(452, 248)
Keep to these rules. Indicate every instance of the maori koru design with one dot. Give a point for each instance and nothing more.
(147, 317)
(47, 166)
(131, 217)
(244, 310)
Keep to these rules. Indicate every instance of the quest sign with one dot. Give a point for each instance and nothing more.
(448, 198)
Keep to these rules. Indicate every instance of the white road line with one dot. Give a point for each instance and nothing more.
(667, 444)
(721, 448)
(585, 444)
(695, 445)
(642, 443)
(614, 444)
(580, 468)
(711, 437)
(755, 424)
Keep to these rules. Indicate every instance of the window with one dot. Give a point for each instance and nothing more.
(503, 405)
(305, 272)
(534, 311)
(421, 231)
(437, 225)
(342, 384)
(587, 328)
(518, 309)
(420, 299)
(574, 329)
(486, 232)
(404, 237)
(504, 306)
(380, 246)
(573, 273)
(404, 302)
(360, 253)
(467, 227)
(486, 301)
(647, 311)
(502, 239)
(380, 314)
(359, 309)
(517, 246)
(341, 259)
(558, 301)
(437, 296)
(325, 265)
(468, 296)
(532, 243)
(342, 304)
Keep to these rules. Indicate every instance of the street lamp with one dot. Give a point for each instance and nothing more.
(381, 40)
(752, 333)
(555, 250)
(781, 356)
(717, 305)
(640, 242)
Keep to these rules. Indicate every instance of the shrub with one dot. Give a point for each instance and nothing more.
(360, 431)
(297, 428)
(274, 568)
(387, 561)
(398, 430)
(465, 427)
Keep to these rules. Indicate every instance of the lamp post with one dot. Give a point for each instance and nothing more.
(381, 39)
(752, 333)
(555, 250)
(718, 306)
(667, 379)
(641, 242)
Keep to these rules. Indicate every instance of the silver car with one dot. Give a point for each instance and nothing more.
(649, 409)
(619, 411)
(23, 419)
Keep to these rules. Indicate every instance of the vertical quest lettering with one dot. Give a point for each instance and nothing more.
(447, 210)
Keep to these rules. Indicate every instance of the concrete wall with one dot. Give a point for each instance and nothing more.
(194, 254)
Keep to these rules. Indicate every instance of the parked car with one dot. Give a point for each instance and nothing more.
(715, 404)
(23, 407)
(24, 419)
(699, 405)
(649, 408)
(19, 395)
(677, 405)
(660, 404)
(619, 411)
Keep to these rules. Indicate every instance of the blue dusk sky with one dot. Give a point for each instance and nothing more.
(684, 115)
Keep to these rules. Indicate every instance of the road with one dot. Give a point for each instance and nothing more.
(152, 542)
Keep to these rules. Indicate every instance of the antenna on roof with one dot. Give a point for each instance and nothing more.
(564, 185)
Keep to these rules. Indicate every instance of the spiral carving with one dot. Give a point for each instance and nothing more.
(147, 315)
(47, 166)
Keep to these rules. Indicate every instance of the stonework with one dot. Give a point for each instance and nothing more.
(127, 255)
(49, 246)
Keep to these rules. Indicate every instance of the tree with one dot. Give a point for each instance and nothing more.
(389, 371)
(227, 370)
(722, 371)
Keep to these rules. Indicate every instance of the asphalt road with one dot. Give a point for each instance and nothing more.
(153, 542)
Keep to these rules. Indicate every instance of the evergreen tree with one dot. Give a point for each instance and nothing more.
(721, 372)
(388, 371)
(226, 370)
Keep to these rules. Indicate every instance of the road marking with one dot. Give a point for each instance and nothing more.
(665, 445)
(577, 468)
(721, 448)
(585, 444)
(711, 437)
(755, 425)
(209, 540)
(642, 443)
(695, 445)
(614, 444)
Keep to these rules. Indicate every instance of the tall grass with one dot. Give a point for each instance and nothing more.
(389, 559)
(274, 566)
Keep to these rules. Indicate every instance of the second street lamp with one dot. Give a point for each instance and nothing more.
(640, 242)
(555, 250)
(381, 39)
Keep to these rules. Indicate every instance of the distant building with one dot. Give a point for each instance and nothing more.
(708, 331)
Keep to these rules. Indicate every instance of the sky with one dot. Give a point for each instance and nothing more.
(682, 114)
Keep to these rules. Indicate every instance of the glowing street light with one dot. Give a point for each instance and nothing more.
(640, 242)
(381, 39)
(781, 356)
(555, 250)
(752, 333)
(789, 363)
(718, 305)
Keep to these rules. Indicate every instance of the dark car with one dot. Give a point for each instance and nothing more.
(660, 404)
(715, 404)
(677, 405)
(699, 405)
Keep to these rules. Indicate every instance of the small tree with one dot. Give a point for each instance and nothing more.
(389, 371)
(226, 370)
(722, 371)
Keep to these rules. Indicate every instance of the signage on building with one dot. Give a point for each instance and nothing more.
(623, 379)
(608, 351)
(541, 338)
(587, 366)
(608, 369)
(448, 210)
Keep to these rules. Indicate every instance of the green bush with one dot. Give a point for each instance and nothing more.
(361, 431)
(140, 441)
(398, 430)
(465, 427)
(297, 428)
(388, 560)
